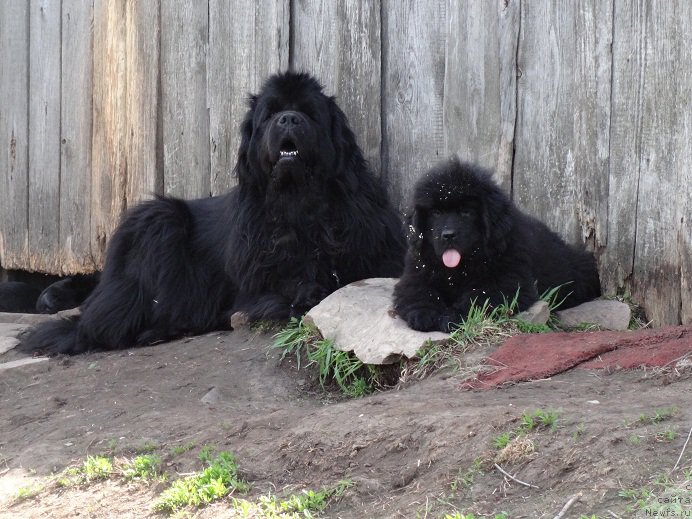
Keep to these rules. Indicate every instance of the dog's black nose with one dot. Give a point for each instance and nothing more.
(448, 234)
(289, 119)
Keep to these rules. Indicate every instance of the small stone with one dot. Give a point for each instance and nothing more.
(359, 318)
(606, 314)
(239, 319)
(538, 313)
(212, 397)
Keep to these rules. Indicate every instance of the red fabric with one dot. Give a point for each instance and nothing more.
(537, 356)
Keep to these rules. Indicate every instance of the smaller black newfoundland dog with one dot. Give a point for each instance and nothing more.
(307, 217)
(468, 242)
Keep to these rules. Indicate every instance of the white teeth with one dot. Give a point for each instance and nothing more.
(283, 153)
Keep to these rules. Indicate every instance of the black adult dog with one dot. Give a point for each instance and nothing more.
(468, 242)
(306, 218)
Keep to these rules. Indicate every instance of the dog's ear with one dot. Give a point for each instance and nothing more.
(348, 156)
(414, 230)
(242, 168)
(497, 221)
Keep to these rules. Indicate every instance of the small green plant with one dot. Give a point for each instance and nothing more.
(143, 468)
(146, 448)
(658, 416)
(501, 441)
(294, 339)
(554, 297)
(667, 435)
(484, 321)
(206, 454)
(294, 506)
(219, 479)
(579, 431)
(465, 477)
(177, 450)
(24, 493)
(538, 419)
(353, 378)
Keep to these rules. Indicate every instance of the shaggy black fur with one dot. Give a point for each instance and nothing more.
(468, 242)
(18, 297)
(306, 218)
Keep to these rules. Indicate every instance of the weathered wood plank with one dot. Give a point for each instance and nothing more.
(339, 42)
(247, 43)
(665, 134)
(109, 141)
(75, 150)
(14, 134)
(480, 84)
(561, 160)
(143, 144)
(412, 92)
(184, 40)
(44, 135)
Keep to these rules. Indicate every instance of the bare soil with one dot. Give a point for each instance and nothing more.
(410, 452)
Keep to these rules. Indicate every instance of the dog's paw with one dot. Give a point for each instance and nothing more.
(307, 296)
(423, 320)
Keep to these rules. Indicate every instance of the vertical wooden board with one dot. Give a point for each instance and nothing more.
(562, 134)
(339, 42)
(14, 134)
(143, 147)
(247, 43)
(626, 121)
(480, 84)
(412, 91)
(184, 40)
(109, 142)
(665, 159)
(44, 135)
(75, 149)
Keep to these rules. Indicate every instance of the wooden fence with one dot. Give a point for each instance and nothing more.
(583, 107)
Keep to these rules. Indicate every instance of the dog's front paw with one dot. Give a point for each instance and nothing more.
(307, 296)
(426, 320)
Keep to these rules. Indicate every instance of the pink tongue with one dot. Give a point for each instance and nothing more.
(451, 258)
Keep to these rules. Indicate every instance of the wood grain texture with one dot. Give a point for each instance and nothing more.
(412, 92)
(143, 142)
(109, 142)
(561, 160)
(247, 43)
(14, 135)
(44, 121)
(480, 84)
(339, 42)
(656, 118)
(75, 142)
(184, 40)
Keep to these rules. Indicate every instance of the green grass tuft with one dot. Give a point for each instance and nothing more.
(216, 481)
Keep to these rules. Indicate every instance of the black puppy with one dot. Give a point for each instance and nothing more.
(468, 243)
(307, 217)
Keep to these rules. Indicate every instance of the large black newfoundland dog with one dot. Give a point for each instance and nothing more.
(306, 217)
(468, 242)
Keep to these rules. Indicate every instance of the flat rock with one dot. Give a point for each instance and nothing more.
(539, 313)
(21, 362)
(9, 317)
(359, 318)
(607, 314)
(8, 335)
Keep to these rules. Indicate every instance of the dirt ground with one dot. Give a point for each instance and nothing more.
(409, 452)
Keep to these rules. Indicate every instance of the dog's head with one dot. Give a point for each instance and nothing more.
(294, 134)
(458, 212)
